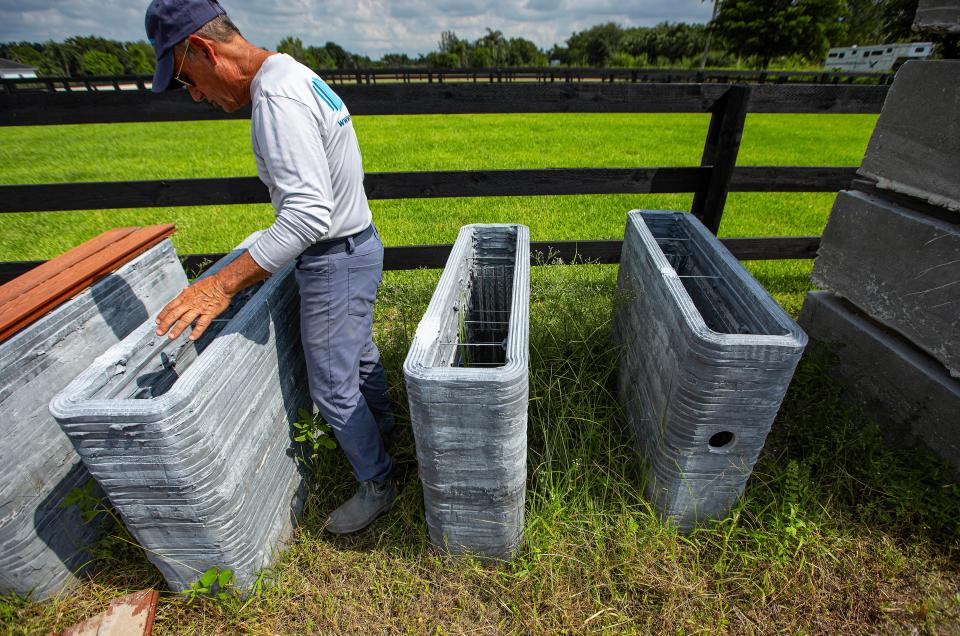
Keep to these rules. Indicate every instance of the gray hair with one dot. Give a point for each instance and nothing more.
(220, 29)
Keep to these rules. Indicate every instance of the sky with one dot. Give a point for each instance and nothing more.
(368, 27)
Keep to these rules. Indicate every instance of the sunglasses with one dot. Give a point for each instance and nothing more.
(186, 81)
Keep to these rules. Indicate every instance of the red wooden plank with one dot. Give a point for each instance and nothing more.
(58, 286)
(130, 615)
(23, 284)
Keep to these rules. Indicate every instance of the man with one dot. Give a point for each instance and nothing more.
(307, 155)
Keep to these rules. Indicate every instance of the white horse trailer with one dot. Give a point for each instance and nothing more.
(875, 57)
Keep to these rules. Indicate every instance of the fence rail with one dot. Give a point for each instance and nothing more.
(710, 182)
(36, 109)
(497, 75)
(407, 257)
(423, 185)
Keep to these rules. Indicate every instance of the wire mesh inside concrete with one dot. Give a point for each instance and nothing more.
(466, 376)
(191, 441)
(707, 358)
(42, 543)
(484, 315)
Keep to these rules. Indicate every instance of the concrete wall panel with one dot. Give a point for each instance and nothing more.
(42, 544)
(706, 359)
(893, 381)
(466, 377)
(901, 267)
(938, 16)
(192, 441)
(916, 144)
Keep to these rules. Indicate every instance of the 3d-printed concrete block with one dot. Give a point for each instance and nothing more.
(466, 376)
(893, 381)
(940, 16)
(192, 442)
(901, 267)
(915, 148)
(41, 543)
(707, 358)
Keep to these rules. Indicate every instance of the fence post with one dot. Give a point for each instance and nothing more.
(720, 154)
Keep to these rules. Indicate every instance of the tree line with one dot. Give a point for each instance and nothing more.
(754, 33)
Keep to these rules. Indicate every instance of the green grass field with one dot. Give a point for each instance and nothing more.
(837, 531)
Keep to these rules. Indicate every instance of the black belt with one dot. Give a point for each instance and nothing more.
(337, 245)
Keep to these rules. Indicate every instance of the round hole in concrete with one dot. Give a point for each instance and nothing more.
(722, 441)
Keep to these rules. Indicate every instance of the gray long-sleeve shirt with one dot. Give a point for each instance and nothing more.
(307, 155)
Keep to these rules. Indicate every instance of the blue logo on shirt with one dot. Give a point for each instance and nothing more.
(326, 94)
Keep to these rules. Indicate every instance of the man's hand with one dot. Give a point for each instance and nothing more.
(201, 302)
(208, 297)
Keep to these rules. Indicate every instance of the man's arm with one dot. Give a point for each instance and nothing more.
(292, 146)
(208, 297)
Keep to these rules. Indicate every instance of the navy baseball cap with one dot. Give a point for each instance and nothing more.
(168, 23)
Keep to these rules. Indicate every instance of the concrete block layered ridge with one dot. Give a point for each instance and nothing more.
(901, 267)
(890, 255)
(938, 16)
(707, 356)
(893, 381)
(916, 143)
(466, 377)
(42, 544)
(192, 442)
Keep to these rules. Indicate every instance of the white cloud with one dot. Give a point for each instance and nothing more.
(371, 27)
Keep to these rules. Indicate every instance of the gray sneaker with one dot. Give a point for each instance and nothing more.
(370, 501)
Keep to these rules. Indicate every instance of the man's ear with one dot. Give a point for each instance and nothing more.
(205, 46)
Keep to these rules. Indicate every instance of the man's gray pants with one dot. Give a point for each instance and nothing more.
(347, 382)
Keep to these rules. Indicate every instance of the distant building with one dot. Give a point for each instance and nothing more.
(14, 70)
(875, 57)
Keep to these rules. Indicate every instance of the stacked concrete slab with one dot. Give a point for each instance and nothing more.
(900, 266)
(916, 143)
(890, 255)
(191, 441)
(466, 377)
(707, 356)
(42, 544)
(938, 16)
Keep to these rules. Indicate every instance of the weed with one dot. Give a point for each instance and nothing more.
(313, 434)
(86, 500)
(116, 544)
(214, 583)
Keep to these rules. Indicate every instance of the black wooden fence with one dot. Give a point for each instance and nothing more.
(485, 75)
(710, 182)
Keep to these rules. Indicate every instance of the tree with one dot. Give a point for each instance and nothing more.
(321, 57)
(482, 57)
(100, 63)
(452, 45)
(438, 59)
(559, 54)
(496, 44)
(666, 42)
(141, 58)
(772, 28)
(706, 46)
(897, 20)
(864, 23)
(341, 58)
(395, 60)
(595, 46)
(523, 52)
(26, 53)
(294, 48)
(63, 58)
